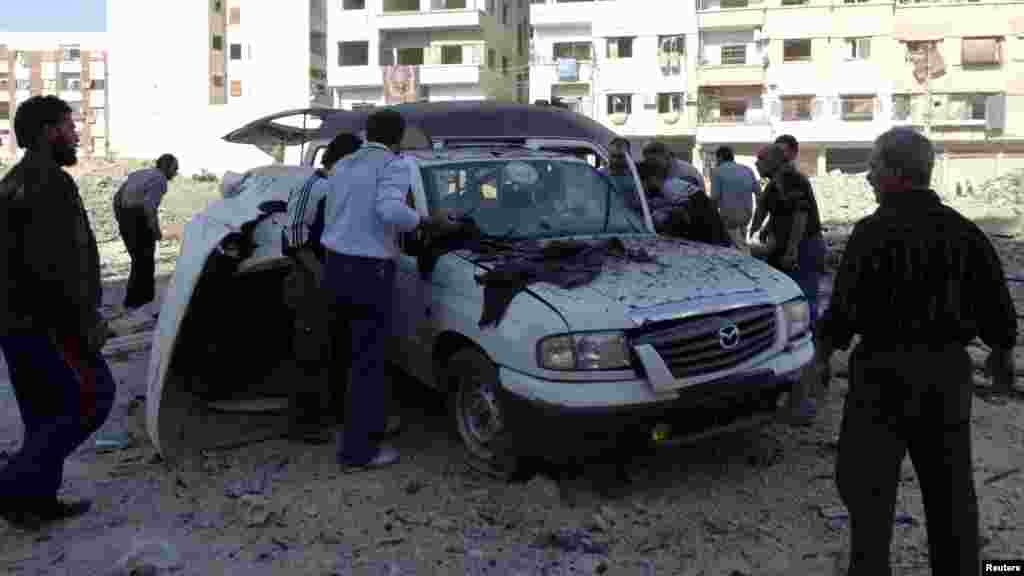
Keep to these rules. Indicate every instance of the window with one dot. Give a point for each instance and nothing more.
(578, 50)
(72, 54)
(980, 52)
(72, 83)
(218, 6)
(797, 108)
(858, 48)
(25, 84)
(5, 110)
(901, 109)
(5, 81)
(218, 81)
(50, 86)
(353, 53)
(504, 13)
(519, 38)
(353, 5)
(318, 43)
(236, 16)
(236, 88)
(858, 108)
(236, 51)
(669, 103)
(218, 43)
(796, 50)
(620, 103)
(620, 48)
(455, 4)
(794, 2)
(732, 110)
(967, 106)
(504, 65)
(734, 55)
(451, 54)
(492, 58)
(524, 37)
(735, 3)
(410, 56)
(99, 84)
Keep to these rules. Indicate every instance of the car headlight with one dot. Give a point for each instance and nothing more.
(797, 315)
(584, 351)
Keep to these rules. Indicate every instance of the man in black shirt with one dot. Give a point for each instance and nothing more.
(918, 281)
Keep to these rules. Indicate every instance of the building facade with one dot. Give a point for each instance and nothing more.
(390, 51)
(834, 73)
(208, 67)
(71, 66)
(624, 63)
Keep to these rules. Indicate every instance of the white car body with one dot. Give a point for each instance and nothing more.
(433, 317)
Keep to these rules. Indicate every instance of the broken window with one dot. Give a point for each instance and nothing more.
(980, 52)
(620, 103)
(798, 50)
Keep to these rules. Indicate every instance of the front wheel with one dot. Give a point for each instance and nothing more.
(476, 408)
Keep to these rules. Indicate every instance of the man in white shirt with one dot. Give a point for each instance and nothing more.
(136, 207)
(366, 212)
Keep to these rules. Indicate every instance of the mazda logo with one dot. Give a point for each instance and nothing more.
(729, 336)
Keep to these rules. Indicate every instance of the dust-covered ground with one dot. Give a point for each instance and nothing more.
(754, 503)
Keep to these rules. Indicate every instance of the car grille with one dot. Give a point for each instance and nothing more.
(693, 347)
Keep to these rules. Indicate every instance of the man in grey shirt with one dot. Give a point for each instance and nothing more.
(734, 188)
(136, 205)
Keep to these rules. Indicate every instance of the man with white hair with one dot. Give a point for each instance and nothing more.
(917, 282)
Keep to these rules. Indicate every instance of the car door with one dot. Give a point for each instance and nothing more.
(412, 295)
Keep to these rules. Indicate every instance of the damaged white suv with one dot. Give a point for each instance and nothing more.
(563, 324)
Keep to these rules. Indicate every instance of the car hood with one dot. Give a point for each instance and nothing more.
(683, 275)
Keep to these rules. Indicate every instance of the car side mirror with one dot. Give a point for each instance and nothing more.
(273, 207)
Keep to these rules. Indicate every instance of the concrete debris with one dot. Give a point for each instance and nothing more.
(148, 558)
(568, 540)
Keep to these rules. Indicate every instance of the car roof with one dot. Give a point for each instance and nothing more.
(493, 153)
(433, 120)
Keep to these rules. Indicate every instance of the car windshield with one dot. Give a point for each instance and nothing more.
(534, 198)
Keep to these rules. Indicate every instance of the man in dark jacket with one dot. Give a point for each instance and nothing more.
(917, 282)
(51, 331)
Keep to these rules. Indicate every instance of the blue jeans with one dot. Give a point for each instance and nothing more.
(809, 254)
(49, 399)
(361, 294)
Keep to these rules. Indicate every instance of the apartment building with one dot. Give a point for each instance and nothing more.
(390, 51)
(834, 73)
(624, 63)
(71, 66)
(186, 76)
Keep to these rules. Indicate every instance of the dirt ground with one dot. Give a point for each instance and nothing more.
(756, 503)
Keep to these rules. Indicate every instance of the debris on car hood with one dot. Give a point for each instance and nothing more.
(566, 264)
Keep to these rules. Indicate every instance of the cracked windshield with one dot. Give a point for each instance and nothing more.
(517, 199)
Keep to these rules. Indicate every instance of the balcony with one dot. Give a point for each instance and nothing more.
(355, 76)
(725, 75)
(733, 119)
(730, 13)
(555, 13)
(430, 15)
(71, 67)
(450, 74)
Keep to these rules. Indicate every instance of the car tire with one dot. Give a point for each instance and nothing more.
(475, 408)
